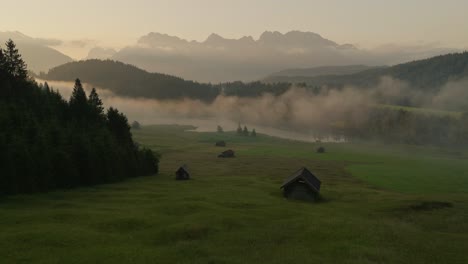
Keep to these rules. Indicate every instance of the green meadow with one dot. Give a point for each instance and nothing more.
(381, 204)
(420, 110)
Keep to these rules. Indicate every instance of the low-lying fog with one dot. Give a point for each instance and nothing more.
(266, 114)
(297, 114)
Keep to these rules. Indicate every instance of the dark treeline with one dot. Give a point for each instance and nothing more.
(47, 142)
(427, 75)
(253, 89)
(128, 80)
(409, 127)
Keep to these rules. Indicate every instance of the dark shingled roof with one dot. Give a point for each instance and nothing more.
(229, 151)
(183, 167)
(306, 176)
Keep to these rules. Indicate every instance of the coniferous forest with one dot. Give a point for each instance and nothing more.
(47, 142)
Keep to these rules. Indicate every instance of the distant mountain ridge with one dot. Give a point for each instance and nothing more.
(219, 59)
(275, 38)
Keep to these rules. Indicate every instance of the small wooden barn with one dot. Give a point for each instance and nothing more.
(182, 173)
(220, 144)
(302, 185)
(227, 154)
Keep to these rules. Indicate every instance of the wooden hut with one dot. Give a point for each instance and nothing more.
(221, 144)
(321, 150)
(227, 154)
(182, 173)
(302, 185)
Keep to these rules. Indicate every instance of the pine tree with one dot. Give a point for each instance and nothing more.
(3, 72)
(136, 125)
(118, 125)
(246, 131)
(2, 60)
(14, 64)
(220, 129)
(46, 88)
(96, 105)
(254, 133)
(78, 100)
(239, 130)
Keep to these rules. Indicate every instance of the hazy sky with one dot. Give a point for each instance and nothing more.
(115, 23)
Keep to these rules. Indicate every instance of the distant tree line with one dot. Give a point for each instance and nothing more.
(253, 89)
(47, 142)
(409, 127)
(245, 131)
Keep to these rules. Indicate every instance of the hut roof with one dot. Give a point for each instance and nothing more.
(305, 175)
(184, 168)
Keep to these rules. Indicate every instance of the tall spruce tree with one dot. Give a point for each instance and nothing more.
(14, 64)
(78, 100)
(46, 88)
(239, 130)
(119, 127)
(2, 59)
(96, 105)
(3, 72)
(254, 133)
(245, 132)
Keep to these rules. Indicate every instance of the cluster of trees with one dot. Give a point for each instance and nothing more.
(136, 125)
(47, 142)
(253, 89)
(410, 127)
(245, 132)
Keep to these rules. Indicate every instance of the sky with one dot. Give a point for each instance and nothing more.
(117, 23)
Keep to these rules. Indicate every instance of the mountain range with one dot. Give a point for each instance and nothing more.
(218, 59)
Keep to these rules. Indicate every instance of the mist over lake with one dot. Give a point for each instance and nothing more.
(189, 112)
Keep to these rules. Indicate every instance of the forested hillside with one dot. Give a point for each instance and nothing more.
(316, 71)
(427, 75)
(127, 80)
(47, 142)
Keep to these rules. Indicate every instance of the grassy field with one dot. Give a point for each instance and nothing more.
(377, 208)
(420, 110)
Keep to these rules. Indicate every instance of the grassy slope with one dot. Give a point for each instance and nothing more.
(423, 110)
(233, 211)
